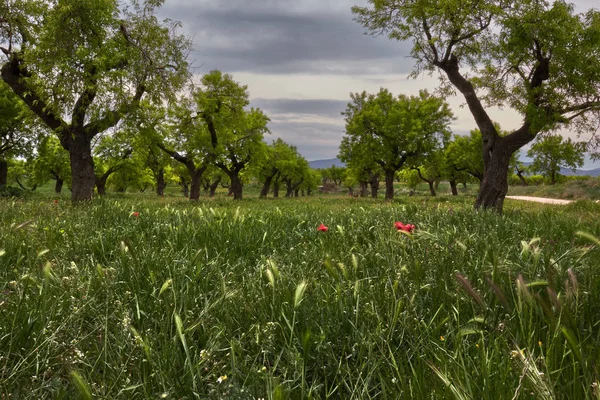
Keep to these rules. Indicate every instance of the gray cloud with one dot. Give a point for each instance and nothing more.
(270, 39)
(317, 107)
(314, 141)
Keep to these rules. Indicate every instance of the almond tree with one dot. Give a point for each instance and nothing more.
(391, 130)
(82, 66)
(539, 58)
(551, 152)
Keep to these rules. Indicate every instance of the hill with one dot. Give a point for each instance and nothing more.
(578, 172)
(320, 164)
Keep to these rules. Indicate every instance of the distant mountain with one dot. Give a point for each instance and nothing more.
(577, 172)
(320, 164)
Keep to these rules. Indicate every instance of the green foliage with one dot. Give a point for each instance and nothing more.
(333, 174)
(503, 43)
(52, 162)
(551, 152)
(16, 131)
(11, 191)
(386, 130)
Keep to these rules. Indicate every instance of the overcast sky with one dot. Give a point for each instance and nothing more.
(302, 58)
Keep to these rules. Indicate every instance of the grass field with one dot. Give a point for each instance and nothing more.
(570, 190)
(143, 298)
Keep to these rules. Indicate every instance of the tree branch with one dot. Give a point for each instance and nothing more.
(13, 73)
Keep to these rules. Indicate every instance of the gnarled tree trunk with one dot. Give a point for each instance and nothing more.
(363, 188)
(453, 187)
(494, 185)
(389, 184)
(83, 178)
(521, 177)
(266, 186)
(160, 182)
(236, 187)
(212, 187)
(58, 186)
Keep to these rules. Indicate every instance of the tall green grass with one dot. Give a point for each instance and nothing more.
(247, 300)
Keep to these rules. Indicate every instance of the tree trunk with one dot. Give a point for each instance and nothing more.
(236, 187)
(389, 184)
(58, 186)
(363, 188)
(185, 187)
(196, 185)
(266, 187)
(160, 182)
(101, 185)
(432, 188)
(453, 188)
(297, 193)
(374, 182)
(494, 185)
(464, 185)
(213, 187)
(522, 178)
(3, 172)
(552, 177)
(83, 178)
(276, 189)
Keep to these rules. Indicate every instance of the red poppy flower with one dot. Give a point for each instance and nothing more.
(406, 228)
(322, 228)
(135, 214)
(55, 201)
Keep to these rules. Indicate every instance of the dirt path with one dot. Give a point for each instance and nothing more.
(540, 199)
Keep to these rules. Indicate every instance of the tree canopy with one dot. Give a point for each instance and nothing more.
(511, 53)
(391, 130)
(81, 67)
(552, 152)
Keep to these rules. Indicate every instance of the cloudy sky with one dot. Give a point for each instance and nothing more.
(302, 58)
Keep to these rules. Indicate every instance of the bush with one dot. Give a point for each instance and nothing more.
(11, 191)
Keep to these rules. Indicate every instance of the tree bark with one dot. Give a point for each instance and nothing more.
(363, 188)
(101, 185)
(494, 185)
(276, 189)
(3, 172)
(374, 182)
(297, 193)
(389, 184)
(236, 187)
(266, 186)
(196, 183)
(58, 186)
(521, 177)
(185, 187)
(212, 187)
(83, 178)
(552, 177)
(160, 182)
(453, 188)
(432, 188)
